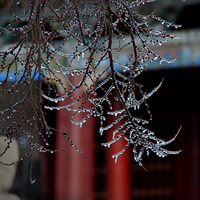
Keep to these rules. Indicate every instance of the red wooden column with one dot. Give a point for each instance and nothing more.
(188, 162)
(74, 170)
(119, 174)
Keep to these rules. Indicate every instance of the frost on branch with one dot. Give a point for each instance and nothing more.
(79, 54)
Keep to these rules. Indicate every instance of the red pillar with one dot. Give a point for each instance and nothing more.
(119, 174)
(74, 170)
(188, 162)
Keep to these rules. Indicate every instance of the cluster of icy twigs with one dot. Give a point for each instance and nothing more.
(99, 30)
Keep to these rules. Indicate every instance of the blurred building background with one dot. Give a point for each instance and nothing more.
(93, 175)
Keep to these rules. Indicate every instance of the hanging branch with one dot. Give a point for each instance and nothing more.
(89, 36)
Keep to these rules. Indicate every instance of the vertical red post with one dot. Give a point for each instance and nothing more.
(74, 170)
(119, 174)
(187, 163)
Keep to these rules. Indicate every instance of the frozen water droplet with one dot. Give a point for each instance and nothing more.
(103, 144)
(115, 156)
(83, 54)
(101, 131)
(33, 181)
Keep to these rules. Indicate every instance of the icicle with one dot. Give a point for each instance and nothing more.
(106, 144)
(101, 131)
(33, 181)
(116, 157)
(11, 77)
